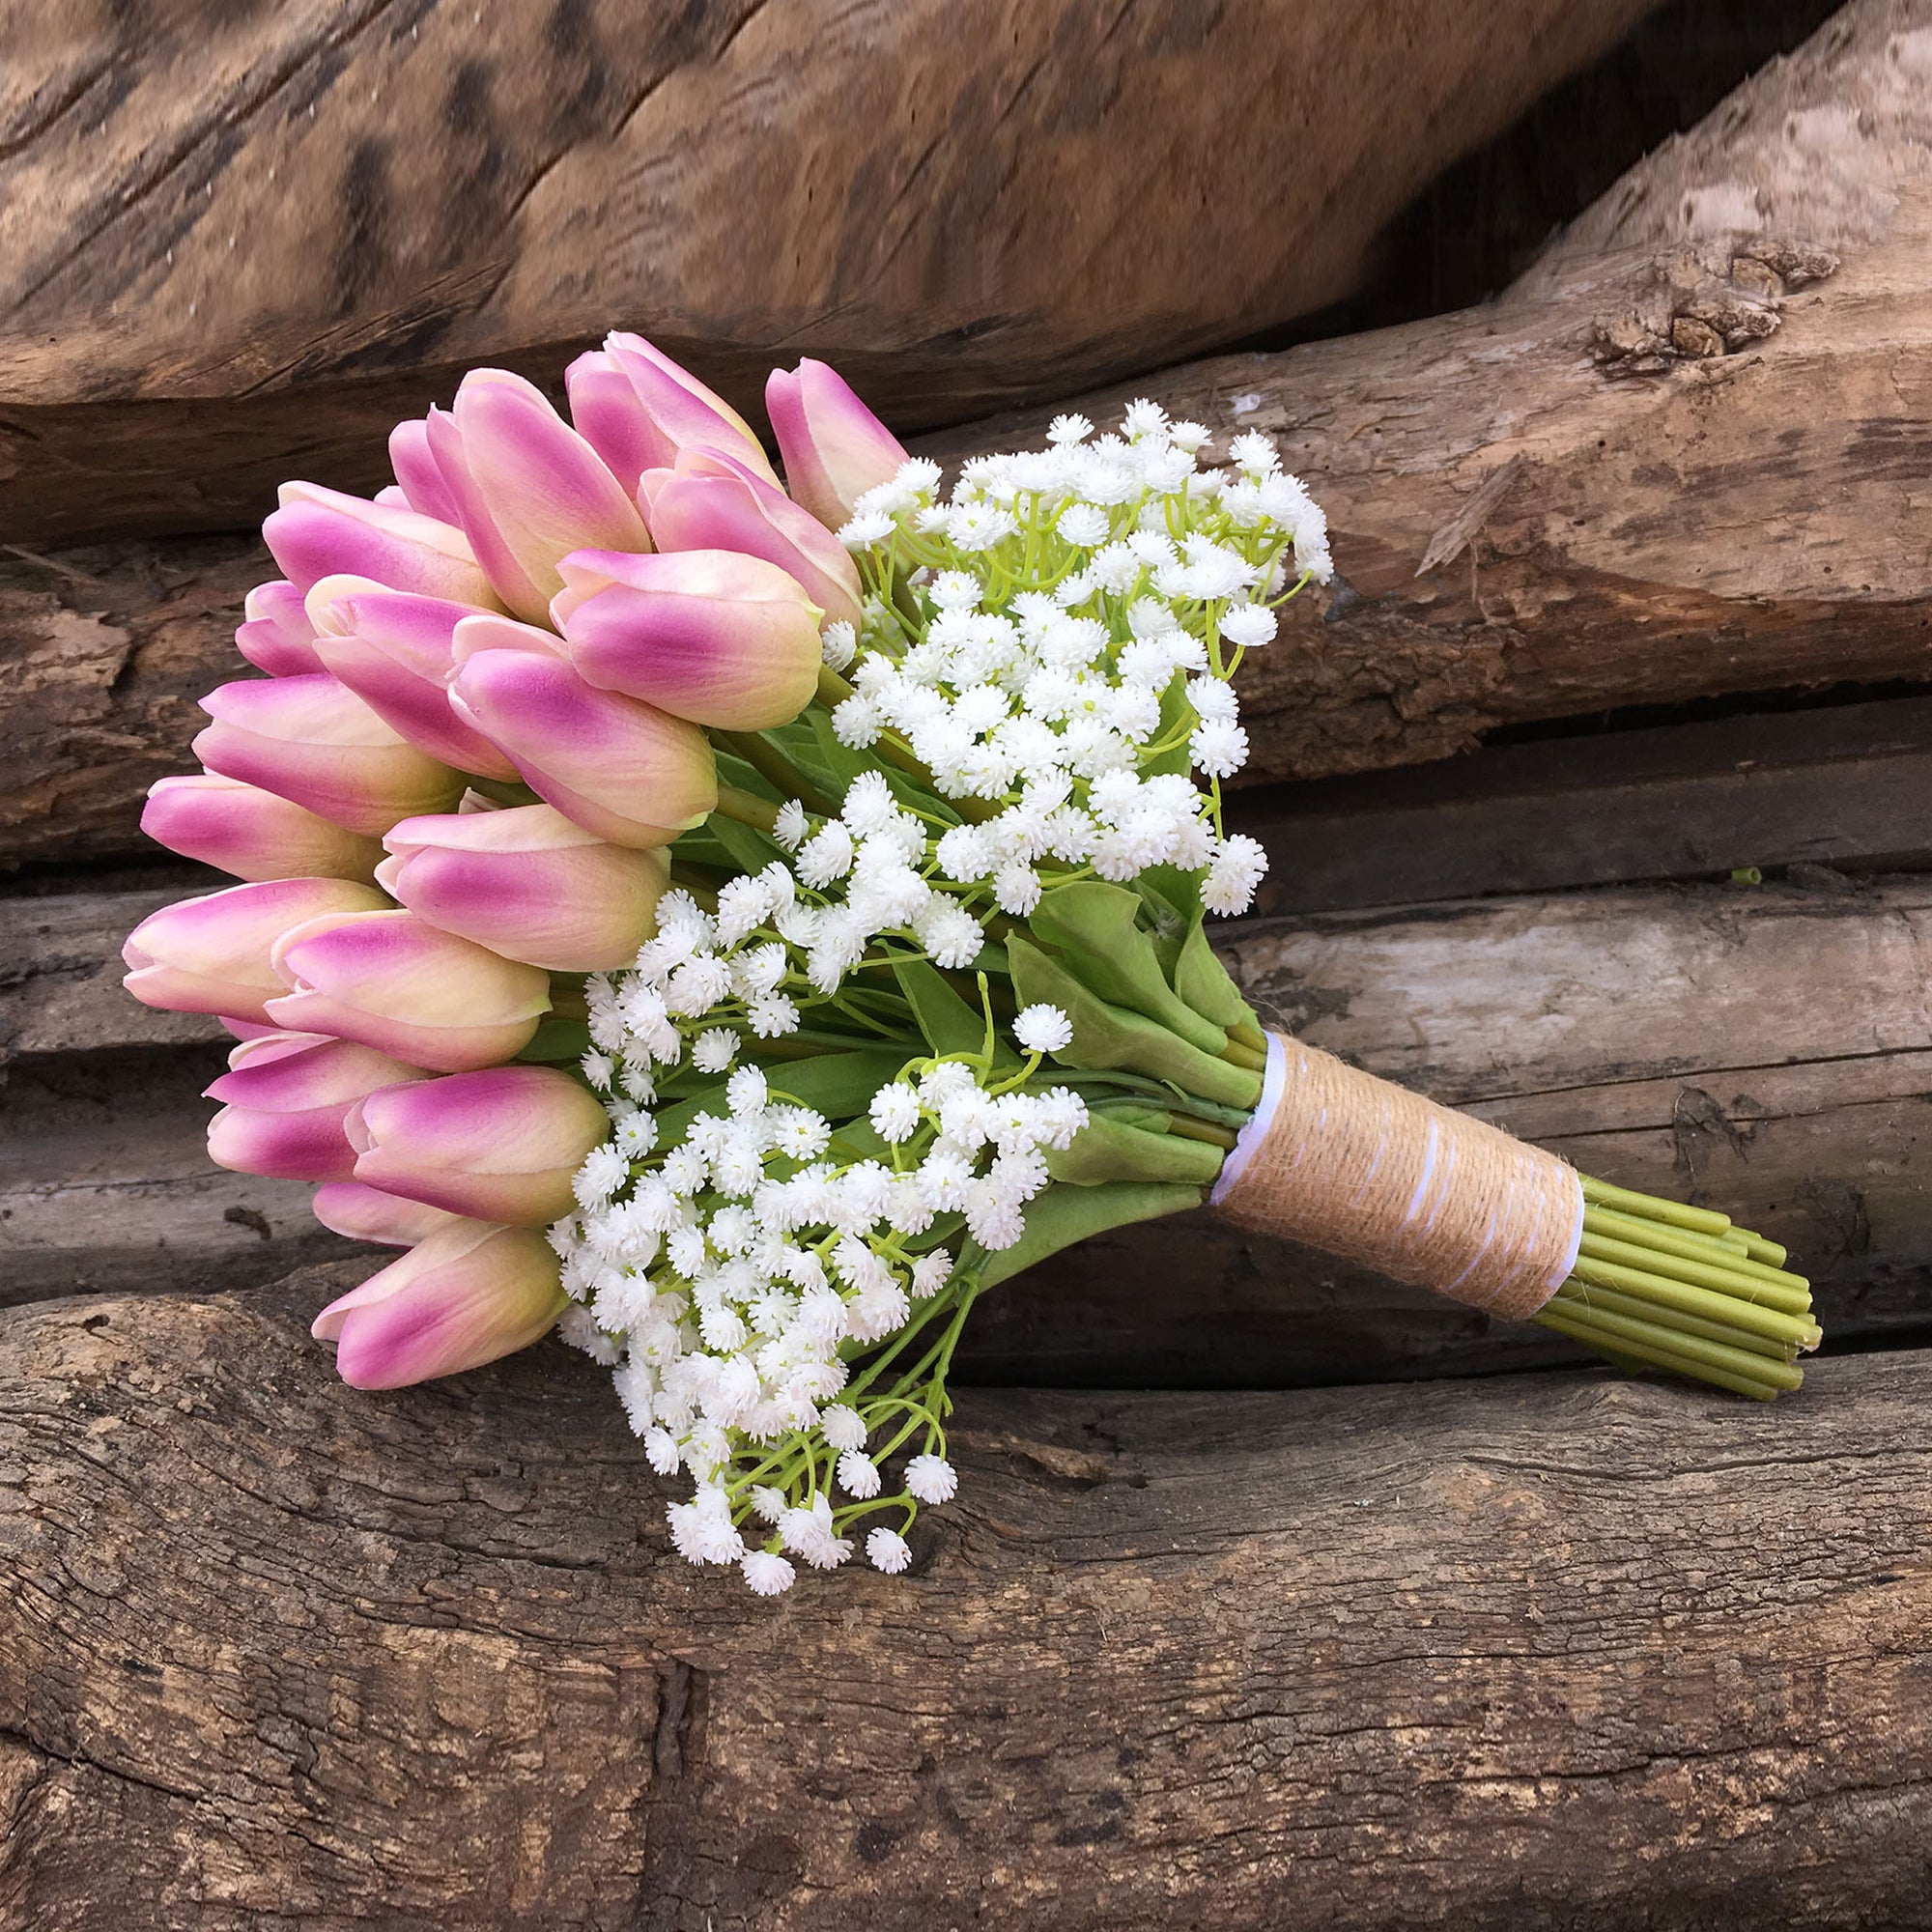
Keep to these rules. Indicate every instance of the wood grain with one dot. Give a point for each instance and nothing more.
(246, 240)
(1549, 1651)
(1768, 1051)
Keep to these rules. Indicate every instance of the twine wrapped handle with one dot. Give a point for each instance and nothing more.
(1371, 1172)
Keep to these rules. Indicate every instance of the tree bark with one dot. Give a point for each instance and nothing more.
(1542, 508)
(1564, 1652)
(246, 242)
(1766, 1051)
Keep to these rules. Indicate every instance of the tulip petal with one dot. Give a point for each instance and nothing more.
(277, 637)
(254, 833)
(626, 770)
(416, 471)
(362, 1214)
(835, 448)
(710, 634)
(319, 533)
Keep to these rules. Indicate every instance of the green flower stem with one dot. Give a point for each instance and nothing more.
(769, 762)
(1650, 1207)
(1183, 1129)
(1237, 1054)
(759, 812)
(1790, 1296)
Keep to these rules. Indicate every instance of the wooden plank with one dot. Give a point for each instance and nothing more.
(1840, 786)
(934, 195)
(1545, 1651)
(1768, 1051)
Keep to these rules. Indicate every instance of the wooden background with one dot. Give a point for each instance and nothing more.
(1356, 1608)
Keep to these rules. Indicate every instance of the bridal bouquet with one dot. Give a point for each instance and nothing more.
(739, 923)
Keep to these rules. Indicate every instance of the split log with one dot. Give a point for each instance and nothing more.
(1551, 1651)
(1766, 1051)
(243, 239)
(1542, 508)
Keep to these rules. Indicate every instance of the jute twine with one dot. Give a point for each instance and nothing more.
(1371, 1172)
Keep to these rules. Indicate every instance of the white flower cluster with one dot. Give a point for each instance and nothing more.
(1088, 604)
(1047, 654)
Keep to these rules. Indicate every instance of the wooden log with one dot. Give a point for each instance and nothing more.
(1549, 1651)
(244, 242)
(1595, 537)
(1767, 1051)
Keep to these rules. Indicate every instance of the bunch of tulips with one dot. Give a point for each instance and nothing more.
(485, 713)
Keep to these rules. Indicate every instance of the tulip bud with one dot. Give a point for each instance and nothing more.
(251, 832)
(527, 883)
(277, 637)
(368, 1214)
(319, 533)
(528, 489)
(637, 408)
(393, 649)
(394, 982)
(488, 631)
(215, 954)
(419, 479)
(502, 1143)
(623, 770)
(835, 448)
(312, 740)
(710, 634)
(712, 502)
(285, 1098)
(467, 1295)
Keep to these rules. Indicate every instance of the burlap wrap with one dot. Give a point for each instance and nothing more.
(1371, 1172)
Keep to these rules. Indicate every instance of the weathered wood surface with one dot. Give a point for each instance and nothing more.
(1818, 788)
(1545, 1651)
(234, 240)
(1613, 486)
(1736, 522)
(1766, 1050)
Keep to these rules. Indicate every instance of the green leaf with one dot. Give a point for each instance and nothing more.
(1108, 1148)
(1102, 944)
(1174, 706)
(837, 1085)
(841, 762)
(557, 1039)
(1106, 1035)
(1063, 1215)
(1204, 983)
(733, 770)
(950, 1025)
(750, 850)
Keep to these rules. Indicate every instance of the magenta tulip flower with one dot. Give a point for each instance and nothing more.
(488, 631)
(394, 650)
(312, 740)
(712, 502)
(276, 635)
(637, 408)
(502, 1143)
(628, 772)
(419, 482)
(528, 489)
(467, 1295)
(215, 954)
(285, 1098)
(319, 533)
(527, 883)
(834, 447)
(362, 1214)
(251, 832)
(710, 634)
(395, 983)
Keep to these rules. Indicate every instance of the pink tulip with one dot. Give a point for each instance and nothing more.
(527, 883)
(467, 1295)
(394, 982)
(712, 502)
(368, 1214)
(710, 634)
(393, 649)
(419, 480)
(835, 448)
(215, 954)
(488, 631)
(251, 832)
(319, 533)
(528, 489)
(312, 740)
(285, 1098)
(637, 408)
(502, 1143)
(277, 637)
(625, 771)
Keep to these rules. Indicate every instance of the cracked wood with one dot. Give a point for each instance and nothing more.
(271, 1649)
